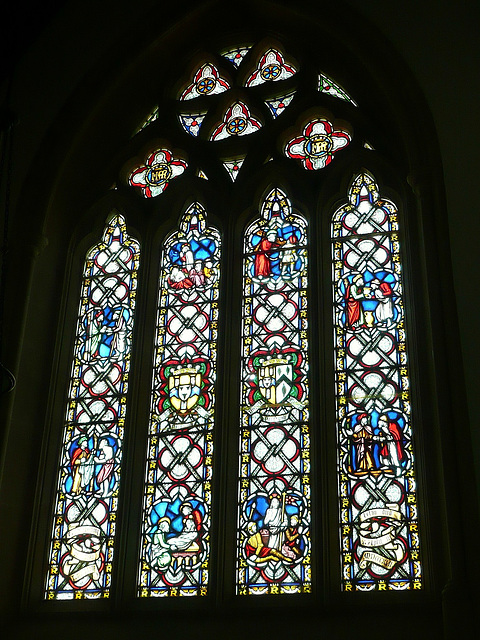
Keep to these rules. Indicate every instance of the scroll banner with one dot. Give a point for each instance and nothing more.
(79, 552)
(386, 540)
(369, 557)
(260, 403)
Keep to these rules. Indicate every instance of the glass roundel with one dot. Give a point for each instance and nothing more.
(236, 125)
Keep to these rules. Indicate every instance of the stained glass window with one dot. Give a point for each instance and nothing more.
(317, 144)
(327, 85)
(378, 506)
(379, 541)
(192, 122)
(151, 118)
(160, 168)
(176, 531)
(236, 54)
(233, 167)
(237, 121)
(278, 105)
(206, 81)
(271, 67)
(274, 491)
(82, 545)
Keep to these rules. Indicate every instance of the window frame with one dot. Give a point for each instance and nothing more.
(135, 217)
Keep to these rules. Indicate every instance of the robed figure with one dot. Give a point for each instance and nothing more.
(263, 262)
(384, 296)
(257, 547)
(391, 453)
(353, 296)
(82, 466)
(362, 439)
(188, 538)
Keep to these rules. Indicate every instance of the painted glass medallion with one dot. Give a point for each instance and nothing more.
(82, 546)
(155, 175)
(327, 85)
(237, 121)
(233, 167)
(274, 489)
(178, 483)
(271, 67)
(192, 122)
(278, 105)
(236, 55)
(316, 147)
(378, 506)
(206, 81)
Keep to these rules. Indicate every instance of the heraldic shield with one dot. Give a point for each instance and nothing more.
(184, 385)
(275, 379)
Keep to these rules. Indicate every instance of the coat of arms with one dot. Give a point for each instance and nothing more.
(276, 381)
(184, 387)
(275, 378)
(183, 396)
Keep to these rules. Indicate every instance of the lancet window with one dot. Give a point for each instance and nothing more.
(243, 123)
(84, 528)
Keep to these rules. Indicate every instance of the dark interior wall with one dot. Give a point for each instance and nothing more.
(441, 46)
(56, 97)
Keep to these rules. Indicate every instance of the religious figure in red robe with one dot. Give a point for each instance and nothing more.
(391, 437)
(354, 295)
(263, 263)
(179, 279)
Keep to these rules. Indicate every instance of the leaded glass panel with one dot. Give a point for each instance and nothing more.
(192, 122)
(151, 118)
(237, 121)
(160, 168)
(279, 104)
(327, 85)
(82, 546)
(378, 503)
(271, 68)
(233, 167)
(178, 482)
(317, 144)
(274, 491)
(237, 54)
(206, 81)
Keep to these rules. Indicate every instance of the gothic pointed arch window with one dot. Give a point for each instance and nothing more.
(268, 362)
(83, 535)
(175, 555)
